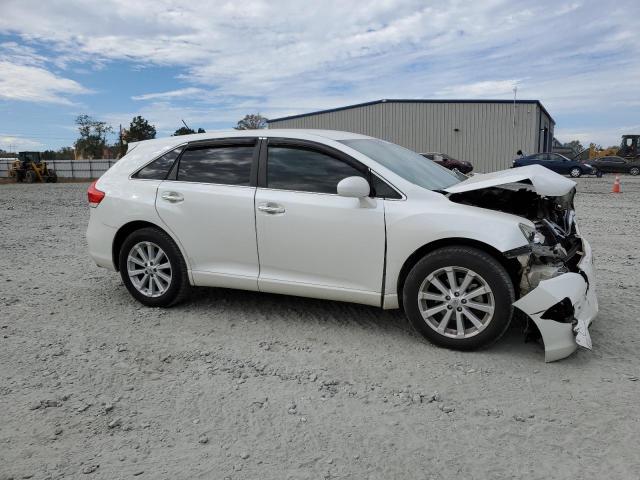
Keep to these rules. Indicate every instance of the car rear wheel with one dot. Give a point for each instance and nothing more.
(575, 172)
(459, 297)
(152, 268)
(634, 170)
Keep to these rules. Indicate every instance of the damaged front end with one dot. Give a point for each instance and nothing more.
(556, 289)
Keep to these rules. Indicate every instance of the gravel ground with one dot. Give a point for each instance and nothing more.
(246, 385)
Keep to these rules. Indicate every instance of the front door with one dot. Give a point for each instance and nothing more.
(311, 241)
(208, 205)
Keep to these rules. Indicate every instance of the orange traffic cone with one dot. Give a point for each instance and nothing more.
(616, 185)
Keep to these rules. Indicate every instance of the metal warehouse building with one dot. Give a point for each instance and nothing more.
(486, 132)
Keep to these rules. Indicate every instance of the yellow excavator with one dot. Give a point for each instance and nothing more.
(30, 168)
(629, 149)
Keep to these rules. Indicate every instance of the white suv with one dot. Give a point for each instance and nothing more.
(347, 217)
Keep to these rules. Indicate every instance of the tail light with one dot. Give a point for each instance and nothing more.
(94, 195)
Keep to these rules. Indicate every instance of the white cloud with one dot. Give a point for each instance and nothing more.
(15, 144)
(490, 88)
(606, 137)
(180, 93)
(288, 56)
(35, 84)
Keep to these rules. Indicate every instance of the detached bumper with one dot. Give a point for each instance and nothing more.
(572, 293)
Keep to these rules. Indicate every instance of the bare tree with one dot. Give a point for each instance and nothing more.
(252, 122)
(93, 136)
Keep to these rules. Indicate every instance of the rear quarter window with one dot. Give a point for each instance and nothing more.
(159, 168)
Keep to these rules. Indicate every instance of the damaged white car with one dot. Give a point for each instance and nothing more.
(346, 217)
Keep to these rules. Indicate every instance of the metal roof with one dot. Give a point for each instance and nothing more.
(384, 100)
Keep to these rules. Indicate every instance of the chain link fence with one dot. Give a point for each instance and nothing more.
(71, 169)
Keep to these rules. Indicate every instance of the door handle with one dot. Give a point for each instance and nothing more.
(271, 208)
(173, 197)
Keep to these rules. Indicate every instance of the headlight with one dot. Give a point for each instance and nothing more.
(531, 234)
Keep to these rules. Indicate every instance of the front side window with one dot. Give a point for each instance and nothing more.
(226, 165)
(160, 167)
(303, 170)
(382, 189)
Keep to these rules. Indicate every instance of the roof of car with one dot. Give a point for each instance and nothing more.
(298, 133)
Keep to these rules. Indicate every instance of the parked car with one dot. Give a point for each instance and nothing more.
(614, 164)
(341, 216)
(557, 163)
(449, 162)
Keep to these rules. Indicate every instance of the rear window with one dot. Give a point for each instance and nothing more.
(226, 165)
(160, 167)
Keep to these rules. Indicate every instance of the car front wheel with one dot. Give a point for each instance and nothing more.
(575, 172)
(634, 170)
(152, 268)
(459, 297)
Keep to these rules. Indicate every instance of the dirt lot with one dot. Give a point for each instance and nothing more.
(247, 385)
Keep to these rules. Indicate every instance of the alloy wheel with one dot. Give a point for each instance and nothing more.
(456, 302)
(149, 269)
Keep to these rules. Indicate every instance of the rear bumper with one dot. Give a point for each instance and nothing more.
(100, 241)
(562, 338)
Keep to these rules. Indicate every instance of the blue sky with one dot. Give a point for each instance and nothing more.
(211, 62)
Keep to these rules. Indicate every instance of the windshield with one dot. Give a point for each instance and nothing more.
(409, 165)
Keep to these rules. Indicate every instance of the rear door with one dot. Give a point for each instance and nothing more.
(608, 164)
(208, 204)
(311, 241)
(617, 165)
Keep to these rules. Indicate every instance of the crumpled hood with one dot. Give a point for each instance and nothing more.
(544, 181)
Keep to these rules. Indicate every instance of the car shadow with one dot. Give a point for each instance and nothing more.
(299, 311)
(292, 309)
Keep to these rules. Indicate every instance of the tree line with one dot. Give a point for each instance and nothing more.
(93, 134)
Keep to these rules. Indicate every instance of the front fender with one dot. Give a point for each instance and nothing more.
(409, 229)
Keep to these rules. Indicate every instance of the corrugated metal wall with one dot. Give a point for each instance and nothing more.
(486, 134)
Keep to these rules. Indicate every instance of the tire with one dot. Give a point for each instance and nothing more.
(178, 284)
(575, 172)
(53, 177)
(30, 176)
(634, 171)
(489, 272)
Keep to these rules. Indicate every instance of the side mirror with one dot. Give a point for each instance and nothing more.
(355, 187)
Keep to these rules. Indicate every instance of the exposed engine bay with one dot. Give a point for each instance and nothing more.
(555, 245)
